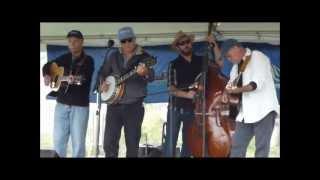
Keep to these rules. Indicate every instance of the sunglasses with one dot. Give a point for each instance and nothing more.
(126, 40)
(184, 42)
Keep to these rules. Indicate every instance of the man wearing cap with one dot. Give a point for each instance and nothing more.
(258, 105)
(72, 108)
(129, 112)
(182, 72)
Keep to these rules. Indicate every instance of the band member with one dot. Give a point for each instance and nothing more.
(183, 71)
(258, 105)
(72, 108)
(129, 111)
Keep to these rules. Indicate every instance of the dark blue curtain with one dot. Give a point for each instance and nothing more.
(165, 54)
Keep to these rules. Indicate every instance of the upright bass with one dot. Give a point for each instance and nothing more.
(210, 134)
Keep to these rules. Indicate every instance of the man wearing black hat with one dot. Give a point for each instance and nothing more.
(72, 109)
(258, 103)
(129, 111)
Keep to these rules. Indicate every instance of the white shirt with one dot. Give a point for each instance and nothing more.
(258, 103)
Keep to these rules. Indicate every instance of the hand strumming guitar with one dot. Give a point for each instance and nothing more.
(233, 90)
(236, 90)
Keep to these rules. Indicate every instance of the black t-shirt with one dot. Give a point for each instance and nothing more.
(186, 72)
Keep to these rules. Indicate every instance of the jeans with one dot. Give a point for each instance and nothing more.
(179, 115)
(262, 130)
(70, 120)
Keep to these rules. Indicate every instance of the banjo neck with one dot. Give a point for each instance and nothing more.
(148, 61)
(127, 76)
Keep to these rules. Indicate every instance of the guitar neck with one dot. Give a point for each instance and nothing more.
(63, 78)
(242, 68)
(236, 80)
(66, 78)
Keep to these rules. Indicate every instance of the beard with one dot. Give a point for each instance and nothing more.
(186, 51)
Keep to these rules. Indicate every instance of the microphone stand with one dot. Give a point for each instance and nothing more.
(98, 100)
(98, 122)
(171, 112)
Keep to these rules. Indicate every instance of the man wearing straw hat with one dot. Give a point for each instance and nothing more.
(182, 72)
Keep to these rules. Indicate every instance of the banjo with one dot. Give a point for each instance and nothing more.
(116, 83)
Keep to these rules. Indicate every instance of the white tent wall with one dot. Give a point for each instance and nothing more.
(97, 34)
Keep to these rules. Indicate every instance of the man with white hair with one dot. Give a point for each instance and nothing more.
(258, 103)
(129, 111)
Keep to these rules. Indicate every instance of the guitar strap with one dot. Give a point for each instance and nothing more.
(241, 69)
(245, 63)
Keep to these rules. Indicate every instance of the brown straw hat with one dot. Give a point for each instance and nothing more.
(179, 36)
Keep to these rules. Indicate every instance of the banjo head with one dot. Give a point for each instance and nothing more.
(106, 96)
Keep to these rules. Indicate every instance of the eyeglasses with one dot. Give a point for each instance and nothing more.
(126, 40)
(184, 42)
